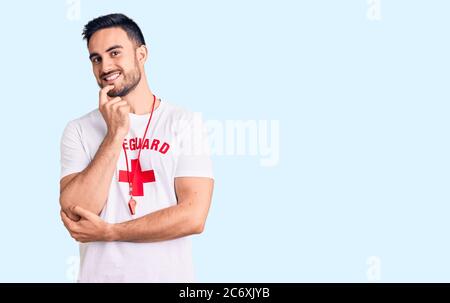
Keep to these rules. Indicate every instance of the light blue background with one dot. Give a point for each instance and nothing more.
(363, 106)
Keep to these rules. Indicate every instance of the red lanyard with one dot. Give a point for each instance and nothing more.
(132, 203)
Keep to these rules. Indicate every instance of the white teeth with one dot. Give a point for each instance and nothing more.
(112, 77)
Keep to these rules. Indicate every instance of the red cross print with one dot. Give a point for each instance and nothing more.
(137, 177)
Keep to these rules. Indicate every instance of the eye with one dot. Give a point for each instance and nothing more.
(96, 60)
(115, 53)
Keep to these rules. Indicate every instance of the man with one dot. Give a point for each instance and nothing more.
(136, 177)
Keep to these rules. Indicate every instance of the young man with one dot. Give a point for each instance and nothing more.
(136, 177)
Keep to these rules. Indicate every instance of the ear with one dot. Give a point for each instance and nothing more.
(142, 54)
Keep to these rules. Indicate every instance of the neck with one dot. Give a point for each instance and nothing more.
(141, 98)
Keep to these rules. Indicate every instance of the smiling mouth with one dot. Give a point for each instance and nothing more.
(111, 77)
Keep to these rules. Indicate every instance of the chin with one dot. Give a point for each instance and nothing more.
(113, 93)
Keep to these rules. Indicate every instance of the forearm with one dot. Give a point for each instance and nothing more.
(166, 224)
(90, 188)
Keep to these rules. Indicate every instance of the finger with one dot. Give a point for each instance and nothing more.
(80, 237)
(111, 103)
(78, 210)
(103, 98)
(64, 217)
(119, 104)
(69, 214)
(73, 217)
(113, 100)
(66, 220)
(75, 236)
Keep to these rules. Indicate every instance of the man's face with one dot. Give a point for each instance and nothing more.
(114, 61)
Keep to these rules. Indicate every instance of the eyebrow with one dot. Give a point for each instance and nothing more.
(108, 50)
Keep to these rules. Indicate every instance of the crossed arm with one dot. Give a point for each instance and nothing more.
(83, 195)
(186, 218)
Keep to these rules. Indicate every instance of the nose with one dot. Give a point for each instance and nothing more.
(107, 66)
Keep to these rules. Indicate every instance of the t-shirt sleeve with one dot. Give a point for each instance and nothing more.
(194, 159)
(73, 155)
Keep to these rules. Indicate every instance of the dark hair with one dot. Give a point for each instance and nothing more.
(114, 20)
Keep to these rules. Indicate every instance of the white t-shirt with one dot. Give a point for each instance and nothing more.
(176, 145)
